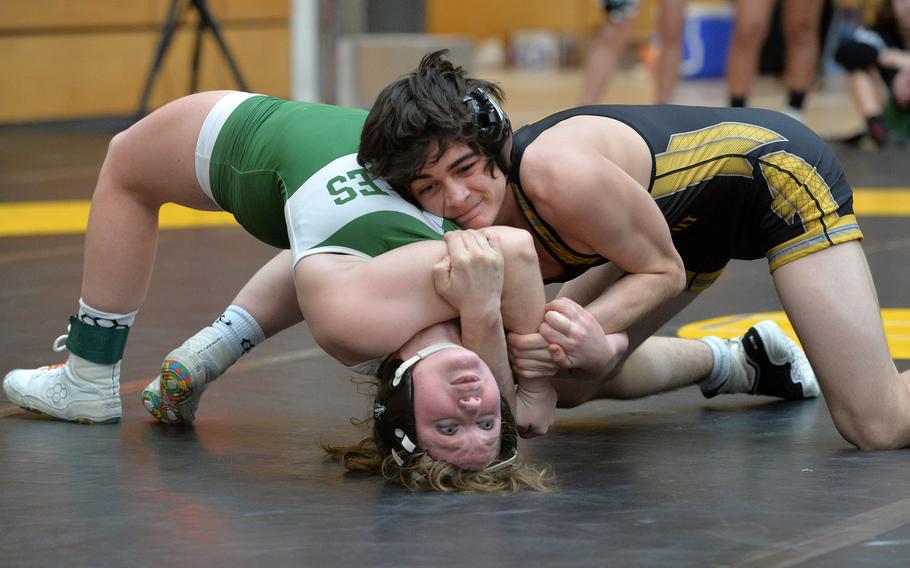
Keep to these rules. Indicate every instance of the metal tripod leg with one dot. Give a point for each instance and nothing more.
(206, 20)
(205, 17)
(167, 35)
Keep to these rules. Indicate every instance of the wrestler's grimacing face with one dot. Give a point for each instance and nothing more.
(457, 409)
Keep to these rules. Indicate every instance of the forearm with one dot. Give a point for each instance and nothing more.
(482, 332)
(523, 298)
(523, 306)
(630, 298)
(533, 400)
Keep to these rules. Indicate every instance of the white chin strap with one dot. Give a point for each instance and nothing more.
(496, 466)
(425, 352)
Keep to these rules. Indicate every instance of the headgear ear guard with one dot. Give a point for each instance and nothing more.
(492, 124)
(395, 428)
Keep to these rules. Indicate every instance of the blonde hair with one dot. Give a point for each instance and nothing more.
(420, 472)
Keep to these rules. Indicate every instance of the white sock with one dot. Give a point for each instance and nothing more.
(239, 329)
(730, 373)
(91, 316)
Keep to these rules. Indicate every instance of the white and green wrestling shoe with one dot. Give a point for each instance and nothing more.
(85, 388)
(174, 396)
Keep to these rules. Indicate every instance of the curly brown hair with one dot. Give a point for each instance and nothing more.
(420, 472)
(419, 109)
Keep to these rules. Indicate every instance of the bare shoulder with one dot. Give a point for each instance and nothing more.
(581, 149)
(582, 173)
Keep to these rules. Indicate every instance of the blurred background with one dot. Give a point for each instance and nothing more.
(66, 61)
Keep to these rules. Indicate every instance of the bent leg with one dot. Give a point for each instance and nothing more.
(149, 164)
(270, 297)
(830, 299)
(866, 88)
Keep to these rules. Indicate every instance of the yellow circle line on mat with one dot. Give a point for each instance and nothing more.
(34, 218)
(897, 327)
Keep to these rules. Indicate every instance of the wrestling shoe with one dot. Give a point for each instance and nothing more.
(174, 396)
(76, 390)
(776, 365)
(163, 408)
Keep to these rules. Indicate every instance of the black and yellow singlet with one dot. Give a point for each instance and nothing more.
(732, 183)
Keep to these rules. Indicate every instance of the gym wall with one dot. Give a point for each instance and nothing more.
(62, 59)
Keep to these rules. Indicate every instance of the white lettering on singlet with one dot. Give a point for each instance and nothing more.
(336, 196)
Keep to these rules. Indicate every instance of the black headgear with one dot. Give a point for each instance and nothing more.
(492, 124)
(394, 426)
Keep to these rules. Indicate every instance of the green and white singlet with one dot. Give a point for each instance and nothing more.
(288, 173)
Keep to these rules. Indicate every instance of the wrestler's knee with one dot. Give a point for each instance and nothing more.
(866, 430)
(115, 172)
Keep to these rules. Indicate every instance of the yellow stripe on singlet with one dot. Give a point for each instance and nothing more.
(34, 218)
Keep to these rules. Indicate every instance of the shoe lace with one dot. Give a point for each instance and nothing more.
(58, 346)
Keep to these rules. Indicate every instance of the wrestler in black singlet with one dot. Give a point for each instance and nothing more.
(731, 182)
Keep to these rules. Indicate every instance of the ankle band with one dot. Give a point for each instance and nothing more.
(103, 345)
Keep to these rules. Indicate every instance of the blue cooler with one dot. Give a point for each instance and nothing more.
(706, 39)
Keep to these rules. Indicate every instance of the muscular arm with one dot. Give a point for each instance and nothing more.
(523, 296)
(360, 309)
(598, 208)
(471, 279)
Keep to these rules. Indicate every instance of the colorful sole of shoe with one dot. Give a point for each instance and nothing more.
(175, 380)
(160, 409)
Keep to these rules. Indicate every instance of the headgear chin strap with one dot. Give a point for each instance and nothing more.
(425, 352)
(394, 425)
(492, 124)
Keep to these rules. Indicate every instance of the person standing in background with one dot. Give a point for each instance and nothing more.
(612, 40)
(607, 47)
(801, 20)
